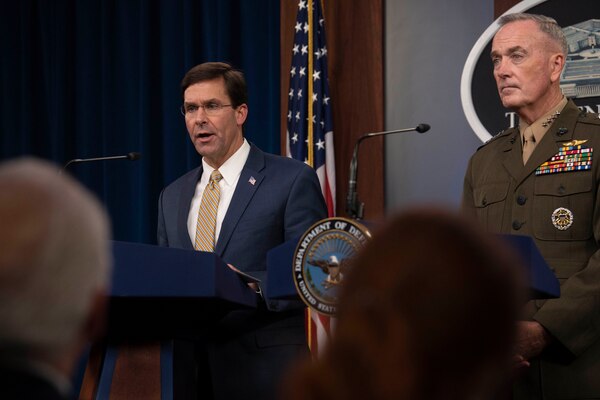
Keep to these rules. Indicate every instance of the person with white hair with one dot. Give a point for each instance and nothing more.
(54, 274)
(540, 179)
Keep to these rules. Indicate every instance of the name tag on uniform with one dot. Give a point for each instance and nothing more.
(571, 157)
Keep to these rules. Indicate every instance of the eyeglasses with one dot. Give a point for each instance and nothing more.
(211, 108)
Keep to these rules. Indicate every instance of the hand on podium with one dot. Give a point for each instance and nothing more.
(250, 280)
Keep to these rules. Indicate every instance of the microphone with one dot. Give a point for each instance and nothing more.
(354, 207)
(133, 156)
(421, 128)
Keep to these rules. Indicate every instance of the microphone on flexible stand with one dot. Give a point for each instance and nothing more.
(354, 207)
(133, 156)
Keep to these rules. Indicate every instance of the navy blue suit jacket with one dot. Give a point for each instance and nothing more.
(276, 199)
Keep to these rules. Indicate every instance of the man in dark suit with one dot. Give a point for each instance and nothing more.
(54, 271)
(262, 200)
(541, 180)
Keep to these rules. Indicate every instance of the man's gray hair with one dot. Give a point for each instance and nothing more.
(546, 24)
(54, 259)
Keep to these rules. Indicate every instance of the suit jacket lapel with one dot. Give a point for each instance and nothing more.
(185, 200)
(244, 192)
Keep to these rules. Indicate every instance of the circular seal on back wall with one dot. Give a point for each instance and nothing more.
(322, 258)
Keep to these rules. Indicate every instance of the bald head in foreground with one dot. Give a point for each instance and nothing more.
(54, 275)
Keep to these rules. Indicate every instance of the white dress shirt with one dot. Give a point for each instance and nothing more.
(231, 171)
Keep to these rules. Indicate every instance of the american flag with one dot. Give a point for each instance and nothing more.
(310, 123)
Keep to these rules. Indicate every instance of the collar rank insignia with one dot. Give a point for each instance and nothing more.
(572, 156)
(550, 119)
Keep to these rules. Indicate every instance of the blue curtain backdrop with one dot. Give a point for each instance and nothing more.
(88, 78)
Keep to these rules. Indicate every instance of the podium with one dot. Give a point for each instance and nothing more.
(543, 283)
(158, 295)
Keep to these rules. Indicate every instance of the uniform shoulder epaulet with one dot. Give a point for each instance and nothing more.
(497, 136)
(589, 118)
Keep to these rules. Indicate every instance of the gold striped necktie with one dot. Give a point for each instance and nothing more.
(207, 214)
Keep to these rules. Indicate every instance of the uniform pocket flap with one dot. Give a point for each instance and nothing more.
(490, 194)
(569, 184)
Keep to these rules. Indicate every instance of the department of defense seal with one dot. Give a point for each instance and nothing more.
(562, 218)
(321, 260)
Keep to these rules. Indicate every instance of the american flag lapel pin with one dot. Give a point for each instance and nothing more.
(252, 180)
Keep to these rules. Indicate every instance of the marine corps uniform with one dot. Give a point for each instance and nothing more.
(554, 199)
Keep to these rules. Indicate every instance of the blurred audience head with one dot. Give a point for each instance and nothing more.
(427, 311)
(54, 265)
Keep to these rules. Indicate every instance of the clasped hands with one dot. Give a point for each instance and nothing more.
(532, 339)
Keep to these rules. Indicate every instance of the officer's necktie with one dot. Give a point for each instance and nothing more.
(528, 144)
(207, 214)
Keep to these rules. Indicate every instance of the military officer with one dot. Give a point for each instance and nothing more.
(541, 179)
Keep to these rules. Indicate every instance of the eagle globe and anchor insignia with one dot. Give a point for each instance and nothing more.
(321, 259)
